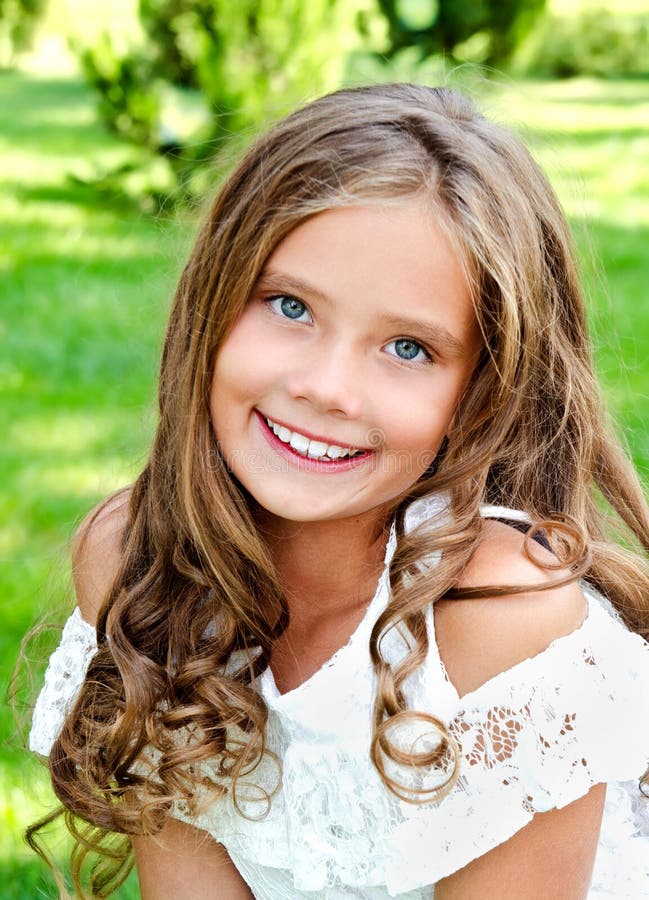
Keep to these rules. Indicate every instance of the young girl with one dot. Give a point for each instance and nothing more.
(361, 627)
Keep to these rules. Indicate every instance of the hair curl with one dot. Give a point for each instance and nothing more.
(197, 587)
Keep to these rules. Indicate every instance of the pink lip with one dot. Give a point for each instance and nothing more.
(305, 462)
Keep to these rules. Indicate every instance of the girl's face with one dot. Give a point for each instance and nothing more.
(336, 386)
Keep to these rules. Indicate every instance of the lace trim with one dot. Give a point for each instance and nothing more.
(64, 676)
(535, 737)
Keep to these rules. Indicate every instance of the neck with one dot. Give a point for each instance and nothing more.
(328, 567)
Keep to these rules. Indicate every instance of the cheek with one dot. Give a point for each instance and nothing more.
(422, 419)
(227, 390)
(412, 441)
(239, 365)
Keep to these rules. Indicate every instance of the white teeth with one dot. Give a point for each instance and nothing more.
(316, 449)
(299, 442)
(305, 447)
(336, 452)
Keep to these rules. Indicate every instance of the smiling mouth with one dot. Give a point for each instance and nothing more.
(310, 448)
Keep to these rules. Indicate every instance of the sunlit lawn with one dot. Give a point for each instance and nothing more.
(83, 295)
(593, 139)
(84, 288)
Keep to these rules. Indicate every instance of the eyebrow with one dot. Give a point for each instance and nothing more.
(269, 281)
(430, 332)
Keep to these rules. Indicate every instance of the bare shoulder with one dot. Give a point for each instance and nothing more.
(184, 861)
(96, 552)
(477, 639)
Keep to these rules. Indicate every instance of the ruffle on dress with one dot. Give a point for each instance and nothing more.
(536, 736)
(63, 678)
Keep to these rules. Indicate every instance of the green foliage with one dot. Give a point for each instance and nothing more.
(173, 28)
(129, 102)
(17, 21)
(441, 26)
(241, 64)
(593, 42)
(247, 62)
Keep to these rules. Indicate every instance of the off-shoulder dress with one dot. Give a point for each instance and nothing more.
(535, 737)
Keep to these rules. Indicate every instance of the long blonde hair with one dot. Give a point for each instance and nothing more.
(197, 581)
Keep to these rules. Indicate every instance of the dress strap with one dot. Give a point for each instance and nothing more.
(517, 519)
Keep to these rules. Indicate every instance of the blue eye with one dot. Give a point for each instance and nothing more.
(289, 307)
(409, 351)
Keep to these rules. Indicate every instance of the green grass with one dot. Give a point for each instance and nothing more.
(83, 296)
(84, 291)
(592, 138)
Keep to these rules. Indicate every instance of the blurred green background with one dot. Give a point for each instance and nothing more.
(110, 115)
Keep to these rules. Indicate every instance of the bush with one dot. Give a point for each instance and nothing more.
(17, 21)
(595, 42)
(129, 101)
(210, 70)
(489, 30)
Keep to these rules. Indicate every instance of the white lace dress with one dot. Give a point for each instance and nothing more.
(535, 737)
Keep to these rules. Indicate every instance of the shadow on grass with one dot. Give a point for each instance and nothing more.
(94, 195)
(49, 108)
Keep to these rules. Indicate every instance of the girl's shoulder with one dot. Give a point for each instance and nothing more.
(96, 552)
(479, 638)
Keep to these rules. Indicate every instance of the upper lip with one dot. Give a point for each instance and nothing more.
(312, 436)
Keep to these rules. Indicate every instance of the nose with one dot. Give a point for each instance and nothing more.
(330, 381)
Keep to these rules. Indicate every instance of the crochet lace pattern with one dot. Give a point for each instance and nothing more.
(534, 737)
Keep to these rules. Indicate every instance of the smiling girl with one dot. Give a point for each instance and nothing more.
(360, 629)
